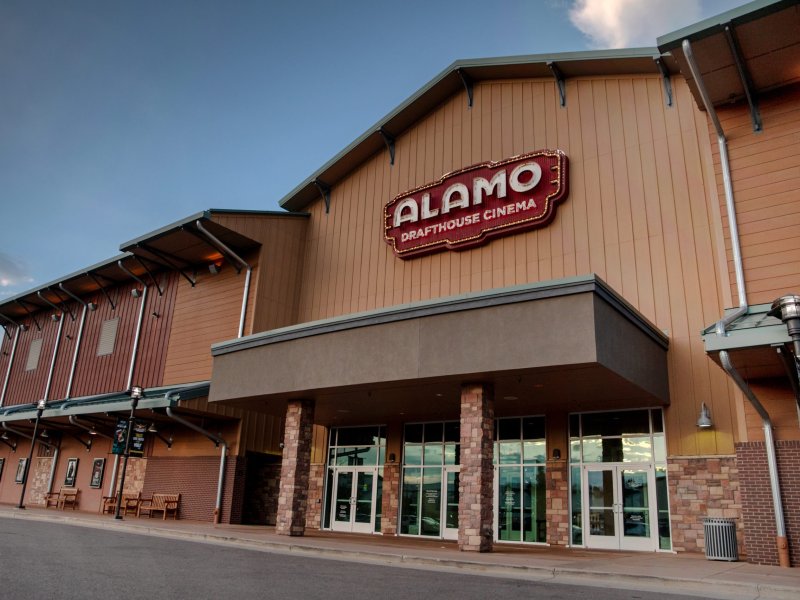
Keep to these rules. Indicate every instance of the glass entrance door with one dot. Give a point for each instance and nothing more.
(450, 509)
(620, 507)
(353, 508)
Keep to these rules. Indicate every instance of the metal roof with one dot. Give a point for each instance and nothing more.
(754, 48)
(451, 81)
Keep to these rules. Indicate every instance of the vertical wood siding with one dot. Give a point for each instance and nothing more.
(24, 386)
(766, 186)
(637, 215)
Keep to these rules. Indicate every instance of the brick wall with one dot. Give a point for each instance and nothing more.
(316, 487)
(702, 487)
(196, 479)
(557, 499)
(757, 507)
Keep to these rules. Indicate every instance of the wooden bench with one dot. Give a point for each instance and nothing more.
(66, 496)
(163, 503)
(130, 504)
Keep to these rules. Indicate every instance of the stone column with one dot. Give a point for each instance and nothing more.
(390, 503)
(475, 517)
(557, 502)
(295, 468)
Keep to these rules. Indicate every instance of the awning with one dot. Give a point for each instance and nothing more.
(571, 344)
(160, 397)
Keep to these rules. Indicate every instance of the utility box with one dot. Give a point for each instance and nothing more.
(720, 537)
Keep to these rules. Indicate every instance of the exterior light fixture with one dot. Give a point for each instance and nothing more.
(23, 327)
(54, 318)
(704, 421)
(556, 454)
(91, 306)
(392, 457)
(136, 293)
(44, 434)
(136, 393)
(214, 268)
(152, 428)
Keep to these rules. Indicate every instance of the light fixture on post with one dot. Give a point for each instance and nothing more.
(704, 421)
(40, 406)
(136, 392)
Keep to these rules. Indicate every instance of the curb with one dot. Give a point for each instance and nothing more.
(709, 588)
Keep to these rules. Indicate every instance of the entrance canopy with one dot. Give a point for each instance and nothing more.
(570, 344)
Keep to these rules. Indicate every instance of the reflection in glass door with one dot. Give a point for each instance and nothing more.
(619, 508)
(450, 530)
(354, 500)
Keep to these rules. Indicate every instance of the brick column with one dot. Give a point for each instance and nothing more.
(476, 481)
(557, 503)
(295, 468)
(390, 504)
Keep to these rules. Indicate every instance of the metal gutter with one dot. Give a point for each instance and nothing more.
(722, 142)
(243, 264)
(78, 341)
(137, 335)
(10, 364)
(772, 461)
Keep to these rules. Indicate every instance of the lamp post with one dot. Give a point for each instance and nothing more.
(136, 393)
(42, 404)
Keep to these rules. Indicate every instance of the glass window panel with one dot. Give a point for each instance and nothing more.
(451, 512)
(658, 420)
(608, 450)
(409, 509)
(510, 452)
(363, 507)
(662, 504)
(382, 455)
(659, 448)
(357, 456)
(509, 504)
(534, 452)
(433, 454)
(412, 454)
(452, 431)
(617, 423)
(577, 515)
(452, 454)
(414, 433)
(575, 451)
(637, 449)
(534, 517)
(508, 429)
(574, 426)
(431, 502)
(533, 428)
(358, 436)
(601, 502)
(379, 501)
(635, 504)
(433, 432)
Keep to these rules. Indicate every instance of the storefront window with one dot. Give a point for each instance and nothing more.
(521, 488)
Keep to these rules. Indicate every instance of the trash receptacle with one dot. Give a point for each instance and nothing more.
(720, 537)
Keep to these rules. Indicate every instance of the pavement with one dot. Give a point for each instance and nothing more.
(686, 574)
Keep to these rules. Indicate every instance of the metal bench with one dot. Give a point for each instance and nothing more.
(163, 503)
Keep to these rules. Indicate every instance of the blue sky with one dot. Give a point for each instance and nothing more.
(117, 118)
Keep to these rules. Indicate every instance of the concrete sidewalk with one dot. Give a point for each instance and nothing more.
(679, 574)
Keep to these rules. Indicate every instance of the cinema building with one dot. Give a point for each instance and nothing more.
(533, 305)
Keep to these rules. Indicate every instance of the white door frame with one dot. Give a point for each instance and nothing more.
(444, 531)
(350, 525)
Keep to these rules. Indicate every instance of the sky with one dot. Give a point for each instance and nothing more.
(119, 117)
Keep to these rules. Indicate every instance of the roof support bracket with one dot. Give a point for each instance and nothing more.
(388, 139)
(562, 86)
(149, 274)
(467, 81)
(790, 363)
(104, 290)
(744, 76)
(30, 314)
(665, 79)
(170, 262)
(10, 444)
(5, 329)
(325, 192)
(63, 303)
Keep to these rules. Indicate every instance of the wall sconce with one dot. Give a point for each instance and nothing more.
(556, 454)
(136, 293)
(23, 327)
(44, 435)
(155, 315)
(214, 268)
(91, 306)
(704, 421)
(54, 318)
(392, 457)
(280, 445)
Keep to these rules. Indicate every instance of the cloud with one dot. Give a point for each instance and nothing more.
(631, 23)
(12, 272)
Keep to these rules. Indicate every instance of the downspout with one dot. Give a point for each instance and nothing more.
(53, 360)
(722, 142)
(10, 364)
(242, 263)
(138, 326)
(772, 462)
(78, 341)
(222, 456)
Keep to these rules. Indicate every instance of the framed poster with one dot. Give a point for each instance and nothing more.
(21, 470)
(72, 472)
(2, 464)
(98, 466)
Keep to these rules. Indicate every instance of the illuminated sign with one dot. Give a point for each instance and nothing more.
(468, 207)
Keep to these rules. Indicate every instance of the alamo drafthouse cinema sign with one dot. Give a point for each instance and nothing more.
(468, 207)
